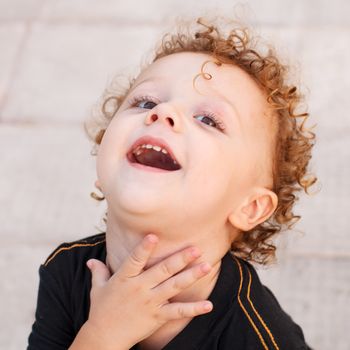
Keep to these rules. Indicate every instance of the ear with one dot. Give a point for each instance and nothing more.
(255, 209)
(98, 185)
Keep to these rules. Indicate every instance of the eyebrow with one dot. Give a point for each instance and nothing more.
(147, 80)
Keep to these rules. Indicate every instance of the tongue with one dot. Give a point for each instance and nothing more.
(156, 159)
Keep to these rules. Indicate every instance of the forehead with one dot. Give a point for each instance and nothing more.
(180, 72)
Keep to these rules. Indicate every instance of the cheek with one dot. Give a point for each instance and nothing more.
(243, 171)
(111, 150)
(210, 169)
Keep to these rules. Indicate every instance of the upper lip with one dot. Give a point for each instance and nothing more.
(154, 141)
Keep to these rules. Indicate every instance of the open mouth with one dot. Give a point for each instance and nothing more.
(153, 152)
(153, 156)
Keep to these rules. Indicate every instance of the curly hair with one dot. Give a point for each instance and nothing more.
(294, 142)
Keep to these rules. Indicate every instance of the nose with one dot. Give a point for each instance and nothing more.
(164, 115)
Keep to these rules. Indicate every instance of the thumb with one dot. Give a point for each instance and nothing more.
(99, 272)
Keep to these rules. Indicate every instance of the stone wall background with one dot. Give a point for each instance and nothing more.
(56, 58)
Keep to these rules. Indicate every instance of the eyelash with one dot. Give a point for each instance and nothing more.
(137, 99)
(220, 125)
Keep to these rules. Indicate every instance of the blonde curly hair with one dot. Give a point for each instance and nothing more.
(294, 141)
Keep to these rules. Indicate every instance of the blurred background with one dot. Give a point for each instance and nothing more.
(57, 57)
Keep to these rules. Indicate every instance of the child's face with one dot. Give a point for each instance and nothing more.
(219, 168)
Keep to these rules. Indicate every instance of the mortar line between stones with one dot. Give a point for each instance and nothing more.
(122, 22)
(318, 255)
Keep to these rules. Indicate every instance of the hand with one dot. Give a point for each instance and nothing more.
(133, 303)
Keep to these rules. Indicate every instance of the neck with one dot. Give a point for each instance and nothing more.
(122, 238)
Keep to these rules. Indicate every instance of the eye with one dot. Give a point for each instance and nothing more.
(144, 102)
(211, 120)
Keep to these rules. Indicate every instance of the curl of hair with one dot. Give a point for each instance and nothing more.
(294, 141)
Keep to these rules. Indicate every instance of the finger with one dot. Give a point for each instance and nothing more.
(99, 271)
(181, 281)
(169, 266)
(177, 311)
(137, 260)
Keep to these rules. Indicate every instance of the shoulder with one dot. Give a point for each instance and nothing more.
(63, 295)
(77, 252)
(272, 327)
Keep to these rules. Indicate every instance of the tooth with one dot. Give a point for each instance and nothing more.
(149, 146)
(138, 152)
(157, 148)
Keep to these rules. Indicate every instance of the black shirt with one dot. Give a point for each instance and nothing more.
(246, 315)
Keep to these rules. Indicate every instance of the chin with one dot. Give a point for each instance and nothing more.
(139, 204)
(138, 198)
(141, 213)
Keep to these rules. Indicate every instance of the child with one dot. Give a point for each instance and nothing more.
(199, 161)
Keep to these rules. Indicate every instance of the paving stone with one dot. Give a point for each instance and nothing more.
(14, 10)
(10, 40)
(130, 13)
(325, 214)
(296, 13)
(19, 266)
(65, 69)
(325, 57)
(46, 179)
(275, 12)
(323, 14)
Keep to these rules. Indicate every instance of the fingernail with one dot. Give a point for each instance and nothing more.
(152, 238)
(205, 267)
(207, 306)
(195, 252)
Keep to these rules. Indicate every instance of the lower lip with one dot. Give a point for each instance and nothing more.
(149, 168)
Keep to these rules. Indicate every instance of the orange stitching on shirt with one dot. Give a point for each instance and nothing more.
(243, 308)
(71, 247)
(257, 314)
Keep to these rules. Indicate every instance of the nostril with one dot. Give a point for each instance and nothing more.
(154, 117)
